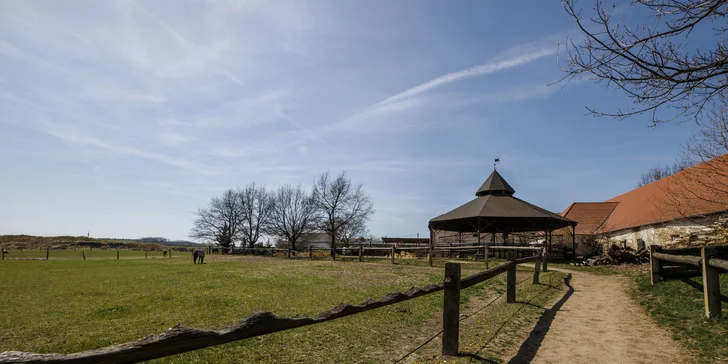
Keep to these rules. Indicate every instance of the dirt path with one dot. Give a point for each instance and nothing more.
(597, 322)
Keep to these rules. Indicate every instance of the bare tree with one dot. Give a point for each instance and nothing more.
(221, 221)
(673, 67)
(352, 232)
(658, 173)
(662, 64)
(257, 204)
(707, 183)
(340, 203)
(293, 216)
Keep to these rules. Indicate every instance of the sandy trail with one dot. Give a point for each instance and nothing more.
(597, 322)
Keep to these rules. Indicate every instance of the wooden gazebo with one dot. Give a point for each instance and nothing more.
(496, 210)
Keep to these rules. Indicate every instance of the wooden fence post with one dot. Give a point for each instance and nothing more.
(432, 247)
(360, 252)
(289, 253)
(511, 279)
(117, 254)
(655, 266)
(146, 254)
(536, 270)
(3, 253)
(451, 310)
(711, 284)
(310, 253)
(47, 252)
(83, 255)
(392, 255)
(486, 253)
(545, 260)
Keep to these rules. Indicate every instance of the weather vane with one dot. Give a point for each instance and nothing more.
(495, 162)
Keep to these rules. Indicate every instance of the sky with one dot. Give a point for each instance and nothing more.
(122, 118)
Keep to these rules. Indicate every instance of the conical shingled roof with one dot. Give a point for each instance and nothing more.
(495, 185)
(496, 210)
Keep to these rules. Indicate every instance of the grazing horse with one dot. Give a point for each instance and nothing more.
(198, 254)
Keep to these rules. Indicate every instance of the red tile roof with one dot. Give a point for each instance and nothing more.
(699, 190)
(590, 215)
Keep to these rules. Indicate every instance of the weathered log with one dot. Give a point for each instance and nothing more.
(719, 263)
(680, 259)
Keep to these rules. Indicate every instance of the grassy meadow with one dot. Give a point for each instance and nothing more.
(678, 305)
(67, 305)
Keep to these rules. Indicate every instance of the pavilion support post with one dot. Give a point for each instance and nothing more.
(551, 247)
(573, 240)
(487, 255)
(479, 245)
(432, 246)
(545, 254)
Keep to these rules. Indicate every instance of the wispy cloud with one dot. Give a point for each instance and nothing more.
(172, 139)
(477, 71)
(415, 97)
(72, 137)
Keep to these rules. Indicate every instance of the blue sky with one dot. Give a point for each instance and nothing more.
(122, 118)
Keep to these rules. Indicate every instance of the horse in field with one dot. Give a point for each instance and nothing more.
(198, 254)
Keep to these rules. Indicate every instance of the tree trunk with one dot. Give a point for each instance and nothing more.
(333, 245)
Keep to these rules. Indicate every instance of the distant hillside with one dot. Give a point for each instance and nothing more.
(156, 240)
(70, 242)
(183, 243)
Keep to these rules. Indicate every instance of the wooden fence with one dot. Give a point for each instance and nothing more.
(180, 339)
(711, 261)
(65, 254)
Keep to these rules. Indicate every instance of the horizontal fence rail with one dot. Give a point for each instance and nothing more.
(707, 259)
(679, 259)
(719, 263)
(180, 339)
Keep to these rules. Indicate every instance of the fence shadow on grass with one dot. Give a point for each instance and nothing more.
(700, 287)
(530, 347)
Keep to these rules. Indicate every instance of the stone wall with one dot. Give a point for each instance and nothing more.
(680, 232)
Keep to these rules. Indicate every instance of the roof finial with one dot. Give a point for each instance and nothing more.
(494, 162)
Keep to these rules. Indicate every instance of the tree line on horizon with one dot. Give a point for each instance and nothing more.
(289, 214)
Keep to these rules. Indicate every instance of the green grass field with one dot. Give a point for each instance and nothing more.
(678, 305)
(68, 305)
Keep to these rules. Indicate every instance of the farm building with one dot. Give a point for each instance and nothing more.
(406, 241)
(322, 240)
(675, 207)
